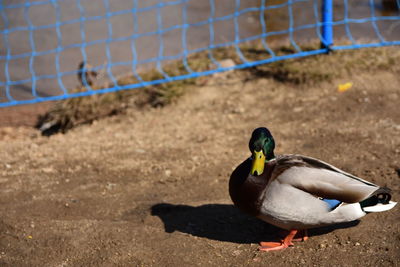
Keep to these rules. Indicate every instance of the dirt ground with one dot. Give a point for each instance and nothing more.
(150, 187)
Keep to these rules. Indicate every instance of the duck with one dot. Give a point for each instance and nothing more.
(297, 193)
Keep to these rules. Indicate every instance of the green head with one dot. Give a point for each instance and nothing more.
(262, 147)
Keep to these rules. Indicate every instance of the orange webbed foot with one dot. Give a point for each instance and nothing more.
(286, 242)
(270, 246)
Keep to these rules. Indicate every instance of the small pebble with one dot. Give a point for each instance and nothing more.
(236, 253)
(297, 109)
(139, 150)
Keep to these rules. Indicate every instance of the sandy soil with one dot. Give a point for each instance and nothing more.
(149, 188)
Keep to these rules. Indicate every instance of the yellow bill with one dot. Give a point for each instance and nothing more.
(257, 166)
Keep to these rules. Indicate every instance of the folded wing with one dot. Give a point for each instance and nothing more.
(326, 181)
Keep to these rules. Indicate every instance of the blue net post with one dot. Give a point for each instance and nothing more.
(327, 28)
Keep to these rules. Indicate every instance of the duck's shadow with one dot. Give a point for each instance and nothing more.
(223, 222)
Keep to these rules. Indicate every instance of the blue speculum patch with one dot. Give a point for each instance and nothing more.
(333, 203)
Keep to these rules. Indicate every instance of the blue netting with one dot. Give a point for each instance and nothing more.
(50, 47)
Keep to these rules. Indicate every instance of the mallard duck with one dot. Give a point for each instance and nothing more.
(296, 192)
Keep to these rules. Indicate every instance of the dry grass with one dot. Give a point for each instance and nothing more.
(304, 71)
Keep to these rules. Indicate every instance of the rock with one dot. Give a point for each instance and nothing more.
(236, 253)
(297, 109)
(110, 186)
(48, 170)
(227, 63)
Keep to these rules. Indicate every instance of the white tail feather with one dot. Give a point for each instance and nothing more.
(380, 207)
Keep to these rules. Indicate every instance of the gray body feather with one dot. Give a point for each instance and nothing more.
(292, 198)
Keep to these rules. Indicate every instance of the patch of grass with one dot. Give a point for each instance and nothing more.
(73, 112)
(291, 73)
(324, 68)
(302, 71)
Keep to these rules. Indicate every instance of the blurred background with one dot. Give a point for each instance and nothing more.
(109, 35)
